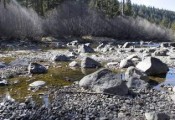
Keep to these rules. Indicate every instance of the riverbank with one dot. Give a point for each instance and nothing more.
(60, 99)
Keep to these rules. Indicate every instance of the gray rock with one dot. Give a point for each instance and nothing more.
(2, 65)
(104, 81)
(88, 62)
(88, 44)
(102, 45)
(3, 82)
(172, 44)
(172, 98)
(156, 116)
(48, 39)
(160, 53)
(60, 58)
(36, 68)
(125, 63)
(73, 44)
(133, 72)
(72, 55)
(73, 64)
(130, 57)
(136, 83)
(126, 45)
(164, 45)
(20, 62)
(85, 49)
(151, 50)
(152, 66)
(37, 84)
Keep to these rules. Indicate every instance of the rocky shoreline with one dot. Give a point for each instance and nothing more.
(94, 98)
(72, 102)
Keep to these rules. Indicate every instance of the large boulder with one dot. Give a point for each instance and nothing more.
(58, 58)
(104, 81)
(35, 68)
(85, 49)
(152, 66)
(125, 63)
(88, 62)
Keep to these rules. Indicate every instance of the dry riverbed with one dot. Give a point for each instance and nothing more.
(61, 97)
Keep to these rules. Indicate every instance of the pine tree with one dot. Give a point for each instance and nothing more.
(109, 7)
(165, 22)
(173, 26)
(128, 8)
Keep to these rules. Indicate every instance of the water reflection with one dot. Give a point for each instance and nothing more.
(168, 80)
(45, 100)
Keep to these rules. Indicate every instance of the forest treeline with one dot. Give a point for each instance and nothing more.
(159, 16)
(104, 18)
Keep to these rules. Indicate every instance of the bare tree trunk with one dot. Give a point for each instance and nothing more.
(123, 7)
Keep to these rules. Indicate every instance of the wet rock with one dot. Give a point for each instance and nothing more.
(156, 116)
(85, 49)
(152, 66)
(58, 58)
(88, 62)
(35, 68)
(104, 81)
(125, 63)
